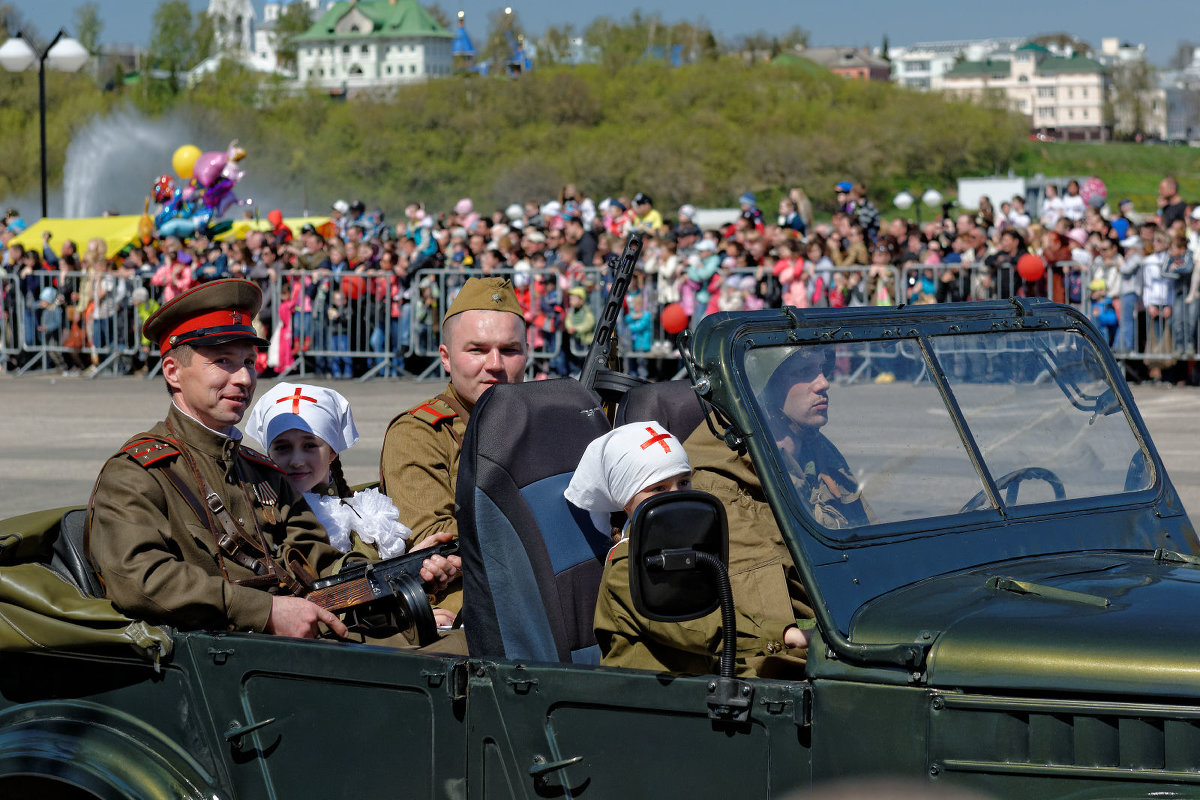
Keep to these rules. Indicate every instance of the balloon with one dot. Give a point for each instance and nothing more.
(1031, 267)
(145, 224)
(208, 168)
(184, 160)
(164, 187)
(674, 319)
(1094, 192)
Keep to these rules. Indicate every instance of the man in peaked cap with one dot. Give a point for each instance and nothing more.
(186, 526)
(483, 343)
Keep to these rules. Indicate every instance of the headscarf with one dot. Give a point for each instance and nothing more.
(301, 406)
(621, 463)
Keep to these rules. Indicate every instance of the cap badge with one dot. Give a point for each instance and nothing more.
(236, 317)
(495, 298)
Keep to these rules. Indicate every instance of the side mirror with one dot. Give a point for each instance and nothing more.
(674, 526)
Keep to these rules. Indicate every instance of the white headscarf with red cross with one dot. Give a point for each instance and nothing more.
(299, 406)
(621, 463)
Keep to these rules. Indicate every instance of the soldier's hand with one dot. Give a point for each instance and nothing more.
(444, 617)
(298, 618)
(439, 570)
(794, 637)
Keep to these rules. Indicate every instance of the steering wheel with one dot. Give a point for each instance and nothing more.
(1012, 481)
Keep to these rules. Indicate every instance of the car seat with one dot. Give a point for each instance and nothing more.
(672, 404)
(532, 562)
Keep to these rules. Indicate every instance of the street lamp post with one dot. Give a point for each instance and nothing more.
(65, 54)
(904, 201)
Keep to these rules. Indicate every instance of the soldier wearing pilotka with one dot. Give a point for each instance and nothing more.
(483, 343)
(186, 526)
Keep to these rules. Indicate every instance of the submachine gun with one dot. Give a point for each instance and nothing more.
(600, 372)
(384, 595)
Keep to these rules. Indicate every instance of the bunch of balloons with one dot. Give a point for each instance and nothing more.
(205, 192)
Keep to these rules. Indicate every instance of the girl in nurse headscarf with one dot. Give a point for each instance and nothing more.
(624, 467)
(304, 428)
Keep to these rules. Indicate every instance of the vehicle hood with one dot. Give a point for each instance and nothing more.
(1110, 622)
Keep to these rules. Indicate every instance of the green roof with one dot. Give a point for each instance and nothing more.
(389, 18)
(791, 60)
(1032, 46)
(988, 67)
(1072, 64)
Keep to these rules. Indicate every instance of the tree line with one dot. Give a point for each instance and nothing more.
(701, 133)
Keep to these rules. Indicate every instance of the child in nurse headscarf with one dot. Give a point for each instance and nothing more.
(624, 467)
(618, 471)
(304, 428)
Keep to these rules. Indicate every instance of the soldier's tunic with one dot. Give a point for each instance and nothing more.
(418, 470)
(823, 480)
(767, 593)
(160, 561)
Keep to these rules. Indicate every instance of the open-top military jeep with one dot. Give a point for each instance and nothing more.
(1017, 615)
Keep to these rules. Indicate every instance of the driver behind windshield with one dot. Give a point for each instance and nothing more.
(796, 397)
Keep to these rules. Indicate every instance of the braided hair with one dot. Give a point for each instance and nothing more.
(338, 478)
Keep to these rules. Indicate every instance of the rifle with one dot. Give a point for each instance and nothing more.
(391, 588)
(598, 373)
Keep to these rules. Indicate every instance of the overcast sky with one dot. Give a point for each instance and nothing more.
(1160, 24)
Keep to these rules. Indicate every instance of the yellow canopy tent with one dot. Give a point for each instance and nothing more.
(243, 226)
(121, 230)
(115, 231)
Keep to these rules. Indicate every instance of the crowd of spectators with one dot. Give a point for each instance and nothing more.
(361, 293)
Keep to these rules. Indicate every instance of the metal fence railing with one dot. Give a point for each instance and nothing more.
(368, 324)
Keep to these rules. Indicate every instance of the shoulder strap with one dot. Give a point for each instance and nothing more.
(258, 458)
(147, 450)
(434, 412)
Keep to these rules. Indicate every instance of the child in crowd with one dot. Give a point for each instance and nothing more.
(1179, 264)
(50, 323)
(580, 325)
(1103, 312)
(640, 322)
(143, 306)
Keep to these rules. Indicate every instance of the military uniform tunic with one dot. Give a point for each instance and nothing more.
(160, 561)
(418, 470)
(767, 593)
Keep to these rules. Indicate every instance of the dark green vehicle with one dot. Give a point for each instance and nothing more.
(1018, 617)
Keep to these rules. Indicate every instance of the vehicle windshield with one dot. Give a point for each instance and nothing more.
(866, 437)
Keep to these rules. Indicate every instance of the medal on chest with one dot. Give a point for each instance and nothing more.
(268, 499)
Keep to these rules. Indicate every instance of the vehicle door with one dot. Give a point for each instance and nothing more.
(537, 730)
(299, 718)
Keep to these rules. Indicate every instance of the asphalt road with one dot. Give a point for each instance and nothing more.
(55, 433)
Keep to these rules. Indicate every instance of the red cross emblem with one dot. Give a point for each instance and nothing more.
(657, 438)
(296, 398)
(237, 318)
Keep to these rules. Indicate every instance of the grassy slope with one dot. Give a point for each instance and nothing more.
(1128, 170)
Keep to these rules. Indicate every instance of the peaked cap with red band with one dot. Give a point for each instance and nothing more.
(213, 313)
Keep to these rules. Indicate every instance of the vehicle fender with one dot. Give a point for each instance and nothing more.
(100, 749)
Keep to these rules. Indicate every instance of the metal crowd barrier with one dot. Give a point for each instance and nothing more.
(45, 340)
(326, 322)
(364, 325)
(9, 342)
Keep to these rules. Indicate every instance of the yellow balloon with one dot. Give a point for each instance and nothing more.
(184, 159)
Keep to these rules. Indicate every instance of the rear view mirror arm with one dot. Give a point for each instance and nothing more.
(729, 699)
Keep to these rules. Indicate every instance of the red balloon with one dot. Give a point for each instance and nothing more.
(674, 318)
(1031, 267)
